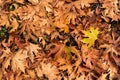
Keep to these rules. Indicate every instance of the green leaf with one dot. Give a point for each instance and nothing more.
(90, 36)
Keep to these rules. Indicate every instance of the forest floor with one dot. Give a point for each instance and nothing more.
(59, 39)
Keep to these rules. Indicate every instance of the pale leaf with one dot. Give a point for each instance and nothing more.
(1, 74)
(31, 73)
(49, 70)
(19, 1)
(19, 61)
(14, 25)
(86, 3)
(34, 1)
(32, 51)
(39, 71)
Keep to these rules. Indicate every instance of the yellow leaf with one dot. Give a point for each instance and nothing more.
(91, 35)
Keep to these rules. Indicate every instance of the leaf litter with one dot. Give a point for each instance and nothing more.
(59, 39)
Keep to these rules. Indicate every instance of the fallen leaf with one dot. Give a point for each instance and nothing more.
(32, 51)
(34, 2)
(91, 35)
(31, 73)
(19, 61)
(49, 70)
(86, 3)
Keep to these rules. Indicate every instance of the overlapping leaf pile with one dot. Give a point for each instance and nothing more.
(59, 39)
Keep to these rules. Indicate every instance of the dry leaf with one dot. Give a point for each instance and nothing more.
(91, 35)
(14, 25)
(34, 2)
(32, 51)
(20, 1)
(49, 70)
(31, 73)
(19, 61)
(1, 74)
(86, 3)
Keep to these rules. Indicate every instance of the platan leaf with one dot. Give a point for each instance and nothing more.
(32, 50)
(90, 36)
(19, 61)
(48, 70)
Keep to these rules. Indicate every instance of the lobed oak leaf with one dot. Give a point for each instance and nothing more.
(91, 35)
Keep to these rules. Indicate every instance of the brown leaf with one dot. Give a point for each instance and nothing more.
(86, 3)
(55, 49)
(32, 51)
(112, 64)
(31, 73)
(19, 61)
(1, 74)
(14, 25)
(111, 9)
(117, 59)
(48, 70)
(34, 2)
(19, 1)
